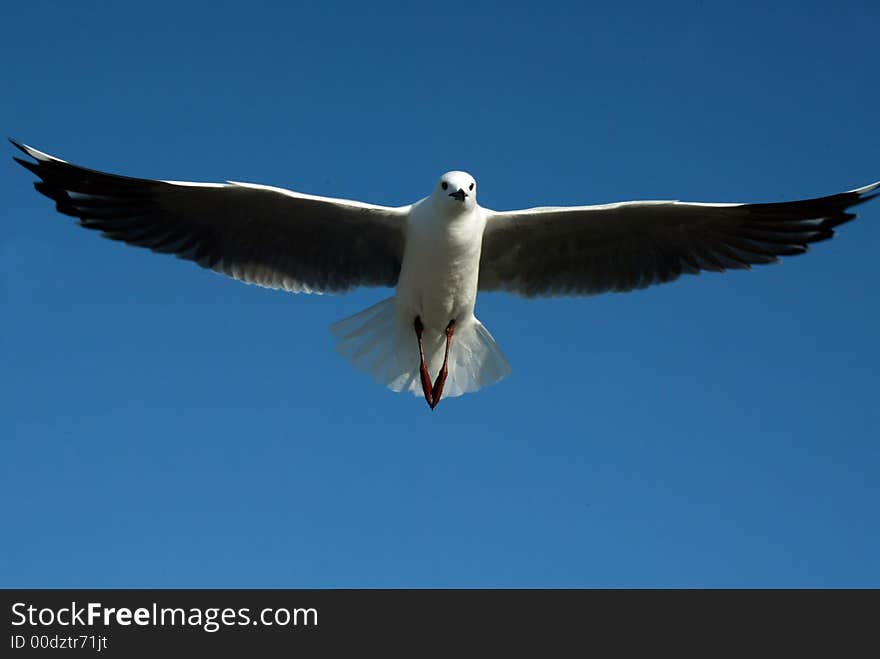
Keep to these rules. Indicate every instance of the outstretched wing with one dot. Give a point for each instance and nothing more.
(619, 247)
(255, 233)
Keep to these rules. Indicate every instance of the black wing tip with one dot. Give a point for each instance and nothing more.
(21, 146)
(33, 167)
(35, 162)
(868, 196)
(41, 157)
(861, 195)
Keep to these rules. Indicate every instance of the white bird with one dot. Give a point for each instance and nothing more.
(438, 252)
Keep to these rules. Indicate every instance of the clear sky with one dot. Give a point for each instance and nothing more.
(161, 425)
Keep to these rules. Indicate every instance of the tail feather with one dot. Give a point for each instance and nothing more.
(381, 343)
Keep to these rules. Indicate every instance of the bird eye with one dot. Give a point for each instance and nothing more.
(444, 185)
(472, 186)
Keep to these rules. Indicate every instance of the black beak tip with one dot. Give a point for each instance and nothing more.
(459, 194)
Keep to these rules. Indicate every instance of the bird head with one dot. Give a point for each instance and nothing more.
(456, 192)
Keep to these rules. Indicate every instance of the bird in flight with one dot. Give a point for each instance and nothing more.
(438, 253)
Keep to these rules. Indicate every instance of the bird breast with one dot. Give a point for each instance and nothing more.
(438, 277)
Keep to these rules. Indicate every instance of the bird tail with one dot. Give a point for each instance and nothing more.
(382, 343)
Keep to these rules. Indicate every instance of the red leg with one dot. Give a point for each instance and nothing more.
(441, 376)
(423, 368)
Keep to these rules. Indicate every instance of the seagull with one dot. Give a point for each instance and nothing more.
(437, 253)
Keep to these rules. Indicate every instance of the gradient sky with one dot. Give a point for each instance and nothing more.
(164, 426)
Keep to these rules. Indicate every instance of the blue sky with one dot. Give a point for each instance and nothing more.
(164, 426)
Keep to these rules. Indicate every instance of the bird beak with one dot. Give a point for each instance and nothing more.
(460, 194)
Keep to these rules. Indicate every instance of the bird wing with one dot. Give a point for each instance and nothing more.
(585, 250)
(255, 233)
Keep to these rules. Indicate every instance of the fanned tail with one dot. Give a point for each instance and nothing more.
(382, 343)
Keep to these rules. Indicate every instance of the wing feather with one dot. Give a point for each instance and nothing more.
(255, 233)
(586, 250)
